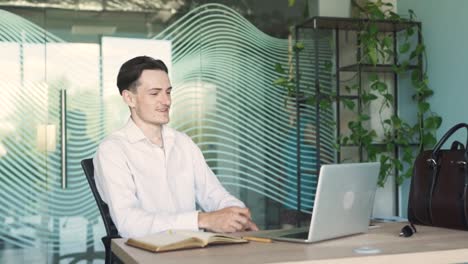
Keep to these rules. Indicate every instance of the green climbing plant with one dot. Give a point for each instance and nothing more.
(397, 133)
(377, 49)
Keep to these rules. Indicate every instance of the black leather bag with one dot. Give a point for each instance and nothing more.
(438, 193)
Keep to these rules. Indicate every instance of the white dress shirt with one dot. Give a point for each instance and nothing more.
(150, 189)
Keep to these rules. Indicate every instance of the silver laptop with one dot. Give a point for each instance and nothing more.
(343, 203)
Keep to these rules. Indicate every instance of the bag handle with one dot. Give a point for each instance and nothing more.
(442, 141)
(457, 145)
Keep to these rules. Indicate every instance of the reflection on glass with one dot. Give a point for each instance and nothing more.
(349, 154)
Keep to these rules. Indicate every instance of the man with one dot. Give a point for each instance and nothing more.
(291, 214)
(151, 175)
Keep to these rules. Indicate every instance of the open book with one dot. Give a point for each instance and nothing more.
(181, 239)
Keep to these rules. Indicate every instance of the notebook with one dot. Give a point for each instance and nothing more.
(343, 203)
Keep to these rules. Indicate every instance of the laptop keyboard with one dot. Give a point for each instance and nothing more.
(300, 235)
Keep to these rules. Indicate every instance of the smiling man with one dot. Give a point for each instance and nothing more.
(151, 175)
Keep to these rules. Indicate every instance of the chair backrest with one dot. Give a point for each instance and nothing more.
(88, 168)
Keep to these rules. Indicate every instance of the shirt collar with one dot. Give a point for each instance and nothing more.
(134, 133)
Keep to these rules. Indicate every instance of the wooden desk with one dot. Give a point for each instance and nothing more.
(429, 245)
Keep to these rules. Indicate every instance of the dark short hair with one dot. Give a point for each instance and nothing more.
(131, 70)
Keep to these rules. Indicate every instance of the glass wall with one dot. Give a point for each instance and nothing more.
(222, 71)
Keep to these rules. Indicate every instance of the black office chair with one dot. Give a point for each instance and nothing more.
(111, 230)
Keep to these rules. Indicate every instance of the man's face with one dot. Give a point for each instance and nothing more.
(151, 101)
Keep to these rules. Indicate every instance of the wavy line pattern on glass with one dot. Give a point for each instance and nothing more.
(224, 99)
(30, 176)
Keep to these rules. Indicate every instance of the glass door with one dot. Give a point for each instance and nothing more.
(73, 77)
(54, 97)
(51, 119)
(25, 142)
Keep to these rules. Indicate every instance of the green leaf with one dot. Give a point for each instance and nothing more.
(404, 66)
(393, 16)
(389, 52)
(406, 175)
(367, 97)
(379, 86)
(337, 147)
(409, 31)
(298, 47)
(345, 140)
(397, 163)
(401, 141)
(382, 87)
(375, 12)
(373, 29)
(371, 153)
(372, 52)
(396, 122)
(411, 13)
(397, 69)
(324, 103)
(437, 121)
(429, 140)
(363, 117)
(387, 42)
(423, 107)
(389, 97)
(281, 81)
(279, 68)
(311, 100)
(420, 48)
(291, 2)
(416, 75)
(432, 122)
(405, 47)
(407, 155)
(381, 52)
(352, 125)
(373, 77)
(348, 103)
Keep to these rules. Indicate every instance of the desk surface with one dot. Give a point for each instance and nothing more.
(431, 245)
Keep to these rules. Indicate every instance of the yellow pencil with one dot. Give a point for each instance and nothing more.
(257, 239)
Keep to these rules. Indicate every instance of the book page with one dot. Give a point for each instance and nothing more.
(204, 236)
(163, 238)
(209, 237)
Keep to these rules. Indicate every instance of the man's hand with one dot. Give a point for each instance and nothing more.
(230, 219)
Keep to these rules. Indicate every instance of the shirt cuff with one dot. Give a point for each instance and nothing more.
(233, 202)
(187, 220)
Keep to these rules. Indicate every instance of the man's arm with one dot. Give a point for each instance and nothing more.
(223, 212)
(230, 219)
(117, 188)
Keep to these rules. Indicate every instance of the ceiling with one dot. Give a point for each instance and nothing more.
(84, 20)
(99, 5)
